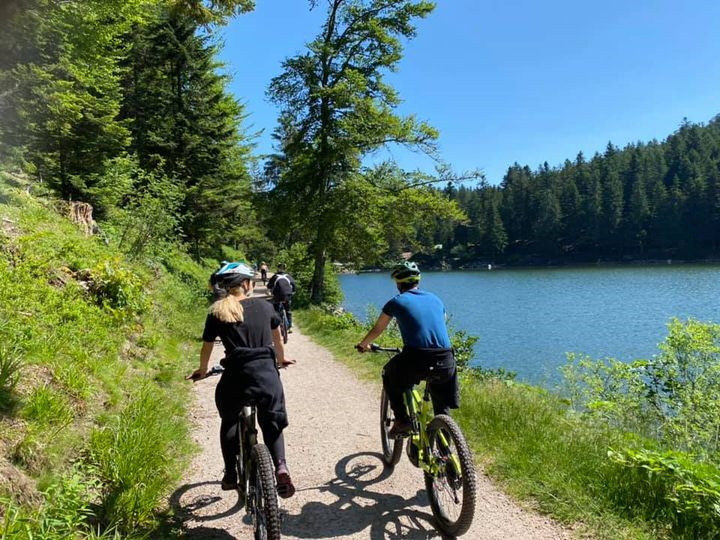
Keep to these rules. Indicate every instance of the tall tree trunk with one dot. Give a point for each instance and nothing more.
(317, 287)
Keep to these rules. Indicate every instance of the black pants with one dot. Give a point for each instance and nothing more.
(411, 366)
(253, 382)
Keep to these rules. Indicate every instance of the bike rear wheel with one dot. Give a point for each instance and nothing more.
(265, 511)
(452, 490)
(284, 324)
(392, 448)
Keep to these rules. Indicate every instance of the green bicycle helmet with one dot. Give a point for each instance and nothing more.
(406, 272)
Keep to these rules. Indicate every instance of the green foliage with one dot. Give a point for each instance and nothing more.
(299, 265)
(86, 324)
(136, 457)
(10, 366)
(45, 405)
(674, 488)
(59, 77)
(156, 147)
(67, 512)
(672, 397)
(117, 288)
(463, 344)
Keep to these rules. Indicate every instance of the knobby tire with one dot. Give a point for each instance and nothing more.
(284, 324)
(392, 448)
(266, 518)
(468, 483)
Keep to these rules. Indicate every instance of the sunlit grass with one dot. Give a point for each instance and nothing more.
(92, 396)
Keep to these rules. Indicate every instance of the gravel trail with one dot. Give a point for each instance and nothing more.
(343, 490)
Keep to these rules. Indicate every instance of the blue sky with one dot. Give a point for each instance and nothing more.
(516, 80)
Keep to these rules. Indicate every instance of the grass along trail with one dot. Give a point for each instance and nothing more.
(343, 490)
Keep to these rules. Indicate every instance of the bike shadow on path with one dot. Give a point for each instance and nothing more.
(357, 507)
(192, 502)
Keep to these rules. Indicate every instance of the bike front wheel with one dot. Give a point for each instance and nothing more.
(452, 486)
(265, 511)
(392, 448)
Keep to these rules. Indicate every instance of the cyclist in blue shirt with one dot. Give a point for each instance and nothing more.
(427, 353)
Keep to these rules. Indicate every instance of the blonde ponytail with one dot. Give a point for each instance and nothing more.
(228, 309)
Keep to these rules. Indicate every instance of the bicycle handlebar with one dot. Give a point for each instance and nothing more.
(214, 370)
(374, 347)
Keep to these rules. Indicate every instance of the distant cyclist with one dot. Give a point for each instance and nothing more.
(263, 271)
(249, 330)
(282, 287)
(427, 353)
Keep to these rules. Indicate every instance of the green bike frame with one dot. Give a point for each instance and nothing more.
(421, 414)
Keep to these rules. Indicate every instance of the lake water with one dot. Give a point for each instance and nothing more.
(528, 319)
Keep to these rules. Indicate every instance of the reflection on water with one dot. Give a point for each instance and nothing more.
(527, 319)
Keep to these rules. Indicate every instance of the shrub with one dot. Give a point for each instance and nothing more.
(47, 406)
(673, 487)
(67, 512)
(136, 456)
(672, 397)
(10, 365)
(117, 288)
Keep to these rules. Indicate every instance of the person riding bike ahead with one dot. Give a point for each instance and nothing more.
(249, 330)
(282, 287)
(427, 353)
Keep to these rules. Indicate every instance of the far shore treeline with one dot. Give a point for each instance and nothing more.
(656, 200)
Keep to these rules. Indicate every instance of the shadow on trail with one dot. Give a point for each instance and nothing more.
(193, 502)
(357, 507)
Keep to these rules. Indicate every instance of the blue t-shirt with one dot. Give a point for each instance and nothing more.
(421, 318)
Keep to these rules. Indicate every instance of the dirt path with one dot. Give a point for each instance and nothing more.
(332, 450)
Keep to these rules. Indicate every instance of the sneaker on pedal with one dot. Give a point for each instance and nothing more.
(229, 481)
(399, 429)
(285, 487)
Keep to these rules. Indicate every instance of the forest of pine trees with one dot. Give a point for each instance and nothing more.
(654, 200)
(123, 104)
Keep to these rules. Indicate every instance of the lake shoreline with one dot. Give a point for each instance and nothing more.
(485, 266)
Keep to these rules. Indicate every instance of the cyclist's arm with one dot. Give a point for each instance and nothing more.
(205, 352)
(280, 359)
(380, 326)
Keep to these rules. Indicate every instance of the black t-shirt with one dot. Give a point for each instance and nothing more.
(259, 319)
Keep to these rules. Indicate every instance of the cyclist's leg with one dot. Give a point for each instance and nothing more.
(288, 312)
(444, 387)
(399, 375)
(275, 441)
(229, 408)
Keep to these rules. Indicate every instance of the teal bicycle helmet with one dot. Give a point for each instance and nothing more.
(231, 274)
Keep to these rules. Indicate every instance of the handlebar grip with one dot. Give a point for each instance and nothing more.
(374, 347)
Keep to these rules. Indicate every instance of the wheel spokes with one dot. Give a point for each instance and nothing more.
(447, 481)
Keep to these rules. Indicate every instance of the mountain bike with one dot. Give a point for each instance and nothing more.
(438, 447)
(256, 475)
